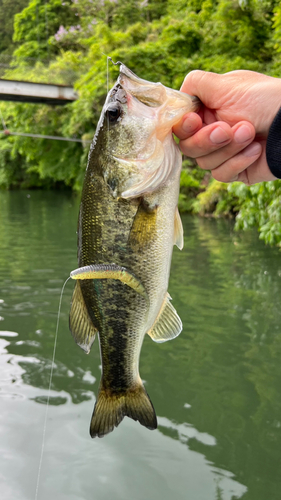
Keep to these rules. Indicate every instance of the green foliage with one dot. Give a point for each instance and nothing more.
(39, 162)
(34, 26)
(8, 8)
(254, 206)
(161, 40)
(247, 36)
(216, 200)
(277, 28)
(192, 182)
(261, 207)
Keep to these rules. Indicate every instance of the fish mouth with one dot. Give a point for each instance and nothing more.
(156, 95)
(159, 108)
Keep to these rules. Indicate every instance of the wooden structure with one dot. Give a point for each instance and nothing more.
(41, 93)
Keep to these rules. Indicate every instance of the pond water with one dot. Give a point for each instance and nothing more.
(216, 388)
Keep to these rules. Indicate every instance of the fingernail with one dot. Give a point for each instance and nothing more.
(243, 134)
(252, 150)
(219, 135)
(190, 124)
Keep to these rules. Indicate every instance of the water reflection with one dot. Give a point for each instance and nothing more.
(131, 463)
(216, 388)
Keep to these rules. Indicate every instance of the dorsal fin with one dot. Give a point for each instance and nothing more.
(167, 325)
(178, 230)
(80, 323)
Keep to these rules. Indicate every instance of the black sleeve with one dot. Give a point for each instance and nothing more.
(273, 146)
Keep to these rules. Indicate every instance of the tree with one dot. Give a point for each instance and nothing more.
(8, 8)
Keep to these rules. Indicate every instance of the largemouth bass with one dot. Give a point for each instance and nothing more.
(128, 224)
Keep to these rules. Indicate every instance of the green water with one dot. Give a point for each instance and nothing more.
(216, 388)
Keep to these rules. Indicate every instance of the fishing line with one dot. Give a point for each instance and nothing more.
(39, 136)
(107, 74)
(49, 392)
(107, 85)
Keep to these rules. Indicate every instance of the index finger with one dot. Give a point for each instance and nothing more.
(207, 140)
(189, 125)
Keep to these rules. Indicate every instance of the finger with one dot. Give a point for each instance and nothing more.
(230, 170)
(243, 134)
(207, 139)
(209, 116)
(257, 171)
(190, 123)
(204, 85)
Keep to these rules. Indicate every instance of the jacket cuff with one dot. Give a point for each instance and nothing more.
(273, 146)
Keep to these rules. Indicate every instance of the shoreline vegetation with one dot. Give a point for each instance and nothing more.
(67, 41)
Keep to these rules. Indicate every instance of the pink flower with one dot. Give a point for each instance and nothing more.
(60, 33)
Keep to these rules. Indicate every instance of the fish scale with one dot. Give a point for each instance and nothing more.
(128, 224)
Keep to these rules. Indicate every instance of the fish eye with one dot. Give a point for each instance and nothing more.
(113, 113)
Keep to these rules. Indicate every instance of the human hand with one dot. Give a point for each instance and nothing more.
(229, 134)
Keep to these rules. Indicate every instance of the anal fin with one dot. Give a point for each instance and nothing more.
(167, 325)
(80, 323)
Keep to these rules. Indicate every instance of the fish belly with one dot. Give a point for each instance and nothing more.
(139, 237)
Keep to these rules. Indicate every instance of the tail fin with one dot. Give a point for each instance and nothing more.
(110, 409)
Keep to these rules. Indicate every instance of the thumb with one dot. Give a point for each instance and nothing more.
(205, 85)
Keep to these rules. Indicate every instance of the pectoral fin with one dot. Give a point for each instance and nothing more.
(167, 325)
(144, 228)
(178, 230)
(109, 271)
(80, 323)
